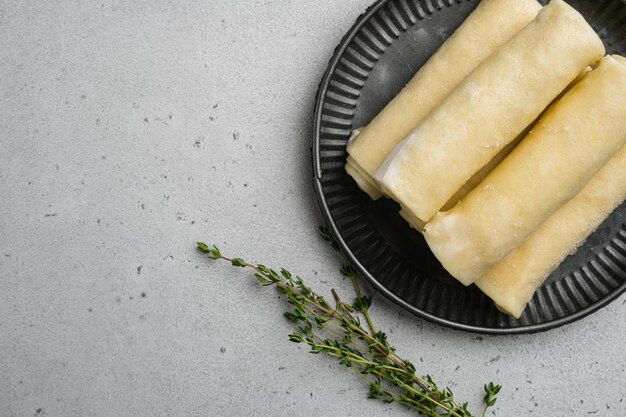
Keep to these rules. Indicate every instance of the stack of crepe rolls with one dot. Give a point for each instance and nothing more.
(489, 26)
(520, 163)
(488, 110)
(545, 198)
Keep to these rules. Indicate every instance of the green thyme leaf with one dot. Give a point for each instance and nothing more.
(238, 262)
(202, 247)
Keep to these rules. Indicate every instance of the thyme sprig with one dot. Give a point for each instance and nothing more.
(337, 332)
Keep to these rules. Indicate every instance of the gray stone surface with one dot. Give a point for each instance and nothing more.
(129, 130)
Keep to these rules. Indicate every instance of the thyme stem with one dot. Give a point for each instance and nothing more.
(366, 352)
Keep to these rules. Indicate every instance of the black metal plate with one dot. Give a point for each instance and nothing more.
(375, 59)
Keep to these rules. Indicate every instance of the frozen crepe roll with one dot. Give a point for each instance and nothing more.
(572, 141)
(513, 281)
(489, 109)
(490, 25)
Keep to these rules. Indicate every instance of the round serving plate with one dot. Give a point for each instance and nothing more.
(375, 59)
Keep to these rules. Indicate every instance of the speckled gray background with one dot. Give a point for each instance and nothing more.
(128, 132)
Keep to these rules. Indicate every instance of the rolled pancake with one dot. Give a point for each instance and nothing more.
(571, 142)
(512, 282)
(489, 26)
(488, 110)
